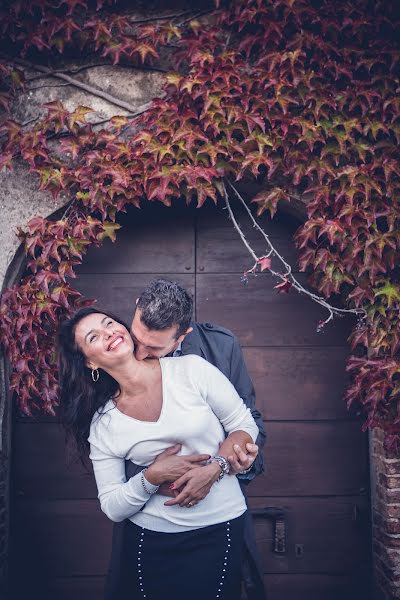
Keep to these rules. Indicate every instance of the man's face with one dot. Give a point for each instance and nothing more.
(151, 343)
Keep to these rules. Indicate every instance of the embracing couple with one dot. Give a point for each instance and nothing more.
(167, 413)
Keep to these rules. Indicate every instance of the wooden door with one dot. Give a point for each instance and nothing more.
(317, 475)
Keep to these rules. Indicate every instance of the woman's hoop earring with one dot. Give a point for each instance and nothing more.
(95, 375)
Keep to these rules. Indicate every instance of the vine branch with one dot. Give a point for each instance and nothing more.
(171, 17)
(79, 84)
(75, 70)
(288, 275)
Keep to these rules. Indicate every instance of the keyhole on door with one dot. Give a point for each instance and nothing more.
(299, 550)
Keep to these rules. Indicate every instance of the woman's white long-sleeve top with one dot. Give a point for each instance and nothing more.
(199, 405)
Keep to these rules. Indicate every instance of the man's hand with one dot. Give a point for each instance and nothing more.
(241, 460)
(168, 466)
(165, 490)
(194, 485)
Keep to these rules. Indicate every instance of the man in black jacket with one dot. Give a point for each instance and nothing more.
(162, 326)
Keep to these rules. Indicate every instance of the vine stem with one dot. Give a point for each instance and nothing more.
(79, 84)
(75, 70)
(170, 17)
(288, 275)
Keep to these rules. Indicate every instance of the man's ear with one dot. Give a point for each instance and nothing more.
(182, 337)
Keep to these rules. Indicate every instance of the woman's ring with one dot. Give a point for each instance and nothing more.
(190, 504)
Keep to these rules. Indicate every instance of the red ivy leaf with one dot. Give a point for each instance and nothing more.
(264, 262)
(283, 287)
(268, 200)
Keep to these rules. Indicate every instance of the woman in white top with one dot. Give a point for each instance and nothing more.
(170, 415)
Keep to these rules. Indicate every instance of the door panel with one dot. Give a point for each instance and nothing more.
(42, 468)
(219, 249)
(322, 534)
(306, 458)
(299, 383)
(74, 536)
(118, 292)
(315, 587)
(302, 458)
(261, 317)
(331, 545)
(160, 238)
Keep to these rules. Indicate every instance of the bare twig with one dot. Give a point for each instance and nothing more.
(236, 224)
(195, 16)
(79, 84)
(288, 275)
(168, 17)
(29, 121)
(75, 70)
(49, 85)
(70, 205)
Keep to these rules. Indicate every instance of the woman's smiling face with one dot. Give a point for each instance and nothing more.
(103, 341)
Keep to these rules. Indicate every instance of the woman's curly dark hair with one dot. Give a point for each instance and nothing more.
(80, 397)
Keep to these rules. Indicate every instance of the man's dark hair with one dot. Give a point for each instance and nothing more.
(163, 304)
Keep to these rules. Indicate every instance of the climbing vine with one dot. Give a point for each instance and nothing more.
(298, 95)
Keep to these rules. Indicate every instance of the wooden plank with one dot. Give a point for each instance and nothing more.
(155, 238)
(72, 538)
(302, 458)
(317, 587)
(118, 292)
(60, 588)
(41, 466)
(261, 317)
(278, 587)
(78, 588)
(322, 535)
(299, 383)
(220, 249)
(312, 458)
(292, 383)
(63, 538)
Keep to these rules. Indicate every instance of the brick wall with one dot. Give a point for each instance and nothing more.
(5, 431)
(385, 518)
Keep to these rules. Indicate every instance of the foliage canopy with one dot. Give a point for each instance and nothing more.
(300, 95)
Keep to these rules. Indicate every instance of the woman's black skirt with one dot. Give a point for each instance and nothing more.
(201, 564)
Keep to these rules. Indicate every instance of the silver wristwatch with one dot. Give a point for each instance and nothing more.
(223, 463)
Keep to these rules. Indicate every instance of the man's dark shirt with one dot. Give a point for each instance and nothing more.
(222, 349)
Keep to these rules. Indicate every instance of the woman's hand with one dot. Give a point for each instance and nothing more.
(194, 485)
(168, 467)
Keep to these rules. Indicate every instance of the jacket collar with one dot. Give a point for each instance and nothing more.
(192, 344)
